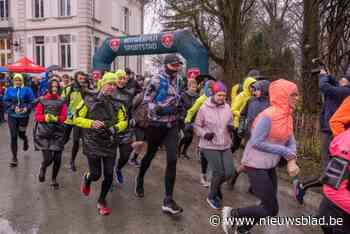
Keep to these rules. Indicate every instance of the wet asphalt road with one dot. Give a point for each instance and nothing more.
(28, 207)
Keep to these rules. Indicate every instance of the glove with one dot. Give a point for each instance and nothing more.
(50, 118)
(132, 123)
(113, 130)
(230, 128)
(209, 136)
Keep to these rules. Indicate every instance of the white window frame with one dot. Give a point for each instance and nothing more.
(6, 51)
(126, 19)
(41, 5)
(5, 5)
(65, 63)
(41, 46)
(65, 8)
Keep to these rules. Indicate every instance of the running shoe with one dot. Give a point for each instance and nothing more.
(55, 185)
(139, 191)
(299, 192)
(119, 177)
(14, 162)
(226, 217)
(170, 206)
(85, 187)
(103, 209)
(214, 203)
(204, 182)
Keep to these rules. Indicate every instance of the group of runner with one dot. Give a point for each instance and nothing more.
(136, 116)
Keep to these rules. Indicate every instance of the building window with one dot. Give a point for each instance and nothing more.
(65, 7)
(4, 9)
(39, 50)
(96, 44)
(65, 51)
(5, 52)
(38, 8)
(126, 13)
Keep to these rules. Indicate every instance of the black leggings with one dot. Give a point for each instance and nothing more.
(125, 151)
(17, 127)
(264, 185)
(77, 134)
(185, 142)
(330, 211)
(50, 157)
(95, 169)
(156, 136)
(236, 141)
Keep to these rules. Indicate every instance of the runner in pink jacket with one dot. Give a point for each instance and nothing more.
(214, 126)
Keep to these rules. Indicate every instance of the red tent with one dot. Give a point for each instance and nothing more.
(26, 66)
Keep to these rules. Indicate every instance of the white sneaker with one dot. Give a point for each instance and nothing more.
(226, 215)
(204, 182)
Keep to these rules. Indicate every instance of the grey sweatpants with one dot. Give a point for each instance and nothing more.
(221, 165)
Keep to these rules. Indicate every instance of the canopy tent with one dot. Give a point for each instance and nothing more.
(3, 69)
(25, 65)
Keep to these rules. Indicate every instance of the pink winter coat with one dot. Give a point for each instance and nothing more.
(213, 118)
(340, 147)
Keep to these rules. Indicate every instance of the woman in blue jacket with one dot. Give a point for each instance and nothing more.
(18, 101)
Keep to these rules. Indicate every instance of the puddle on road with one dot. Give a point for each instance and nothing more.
(5, 228)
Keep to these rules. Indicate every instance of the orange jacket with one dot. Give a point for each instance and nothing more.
(341, 118)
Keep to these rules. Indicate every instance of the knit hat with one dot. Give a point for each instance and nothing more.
(219, 87)
(108, 77)
(120, 73)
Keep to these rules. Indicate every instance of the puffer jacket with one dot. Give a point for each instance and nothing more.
(49, 136)
(241, 100)
(214, 118)
(100, 142)
(22, 97)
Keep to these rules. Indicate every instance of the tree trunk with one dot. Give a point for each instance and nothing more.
(309, 81)
(310, 50)
(232, 41)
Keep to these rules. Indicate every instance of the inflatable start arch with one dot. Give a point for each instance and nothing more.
(181, 41)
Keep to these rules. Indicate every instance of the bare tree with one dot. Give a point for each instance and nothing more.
(219, 24)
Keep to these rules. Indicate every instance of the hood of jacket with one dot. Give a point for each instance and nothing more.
(263, 86)
(246, 84)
